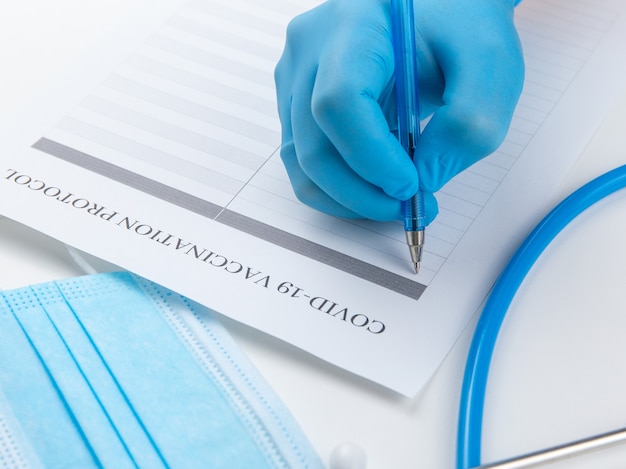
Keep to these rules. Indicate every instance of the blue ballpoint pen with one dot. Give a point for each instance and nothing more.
(403, 35)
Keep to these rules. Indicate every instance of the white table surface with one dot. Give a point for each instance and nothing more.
(559, 372)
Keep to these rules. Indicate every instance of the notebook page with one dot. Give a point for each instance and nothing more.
(186, 124)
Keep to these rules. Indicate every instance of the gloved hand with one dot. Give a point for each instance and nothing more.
(337, 106)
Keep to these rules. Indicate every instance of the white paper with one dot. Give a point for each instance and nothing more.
(159, 154)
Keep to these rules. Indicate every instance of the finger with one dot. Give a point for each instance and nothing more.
(325, 167)
(351, 79)
(484, 78)
(307, 191)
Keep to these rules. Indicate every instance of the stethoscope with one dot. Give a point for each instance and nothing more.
(485, 335)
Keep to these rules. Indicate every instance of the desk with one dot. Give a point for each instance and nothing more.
(559, 372)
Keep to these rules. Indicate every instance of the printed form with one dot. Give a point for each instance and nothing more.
(160, 153)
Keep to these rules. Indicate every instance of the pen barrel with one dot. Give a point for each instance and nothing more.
(405, 57)
(414, 213)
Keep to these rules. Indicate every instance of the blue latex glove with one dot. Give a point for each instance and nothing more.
(337, 106)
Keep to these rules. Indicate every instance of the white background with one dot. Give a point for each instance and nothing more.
(560, 368)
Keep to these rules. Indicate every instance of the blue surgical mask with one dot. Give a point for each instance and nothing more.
(111, 370)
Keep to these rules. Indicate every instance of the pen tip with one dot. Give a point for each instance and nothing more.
(417, 267)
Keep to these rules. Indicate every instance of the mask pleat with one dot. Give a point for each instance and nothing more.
(194, 421)
(140, 450)
(111, 370)
(36, 399)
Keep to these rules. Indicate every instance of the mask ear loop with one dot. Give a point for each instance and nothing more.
(483, 342)
(80, 260)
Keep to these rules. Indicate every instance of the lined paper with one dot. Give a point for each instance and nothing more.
(185, 123)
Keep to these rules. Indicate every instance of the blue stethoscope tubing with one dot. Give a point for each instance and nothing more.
(485, 335)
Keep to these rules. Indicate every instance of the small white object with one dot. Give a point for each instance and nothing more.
(348, 456)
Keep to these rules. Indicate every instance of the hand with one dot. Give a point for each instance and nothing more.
(337, 106)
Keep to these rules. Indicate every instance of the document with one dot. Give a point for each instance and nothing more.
(160, 153)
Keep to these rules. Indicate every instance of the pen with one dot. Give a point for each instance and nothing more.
(403, 39)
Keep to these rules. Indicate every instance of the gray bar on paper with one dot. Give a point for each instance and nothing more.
(134, 180)
(291, 242)
(323, 254)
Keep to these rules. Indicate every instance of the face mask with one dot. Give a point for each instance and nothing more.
(111, 370)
